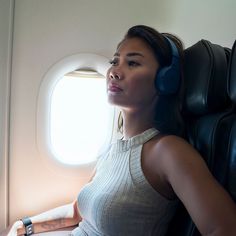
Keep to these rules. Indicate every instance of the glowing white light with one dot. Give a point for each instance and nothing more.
(79, 119)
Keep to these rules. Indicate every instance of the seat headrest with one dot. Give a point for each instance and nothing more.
(232, 74)
(205, 78)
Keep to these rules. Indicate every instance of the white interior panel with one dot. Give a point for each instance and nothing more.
(6, 29)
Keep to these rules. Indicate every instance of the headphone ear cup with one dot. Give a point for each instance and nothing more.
(168, 78)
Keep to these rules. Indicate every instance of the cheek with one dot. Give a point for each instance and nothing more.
(145, 81)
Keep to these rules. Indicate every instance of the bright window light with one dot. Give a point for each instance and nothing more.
(80, 118)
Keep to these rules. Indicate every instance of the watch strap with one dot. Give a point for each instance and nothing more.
(29, 229)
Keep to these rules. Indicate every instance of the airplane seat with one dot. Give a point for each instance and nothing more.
(226, 141)
(206, 106)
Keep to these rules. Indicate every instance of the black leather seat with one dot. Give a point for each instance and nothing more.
(210, 118)
(226, 140)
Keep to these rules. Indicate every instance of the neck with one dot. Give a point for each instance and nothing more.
(136, 122)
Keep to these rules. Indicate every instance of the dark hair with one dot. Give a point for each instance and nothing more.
(168, 119)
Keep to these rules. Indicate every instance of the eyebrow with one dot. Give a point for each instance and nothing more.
(130, 54)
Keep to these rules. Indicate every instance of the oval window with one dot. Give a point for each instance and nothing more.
(74, 120)
(80, 117)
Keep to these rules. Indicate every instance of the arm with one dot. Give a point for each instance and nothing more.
(209, 205)
(57, 218)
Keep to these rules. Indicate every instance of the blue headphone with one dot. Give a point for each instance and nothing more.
(168, 78)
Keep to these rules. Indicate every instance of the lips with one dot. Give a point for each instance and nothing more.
(114, 88)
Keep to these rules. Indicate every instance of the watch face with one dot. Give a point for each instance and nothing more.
(29, 229)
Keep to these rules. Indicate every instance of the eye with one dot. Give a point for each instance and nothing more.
(113, 61)
(133, 63)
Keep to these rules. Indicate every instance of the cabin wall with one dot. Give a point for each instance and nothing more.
(6, 30)
(46, 31)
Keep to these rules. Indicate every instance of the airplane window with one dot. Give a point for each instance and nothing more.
(74, 120)
(79, 120)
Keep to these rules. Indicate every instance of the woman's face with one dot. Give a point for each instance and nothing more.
(130, 79)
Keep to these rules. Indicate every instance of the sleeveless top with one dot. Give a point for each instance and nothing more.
(119, 201)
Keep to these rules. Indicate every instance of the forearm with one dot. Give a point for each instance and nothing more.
(57, 218)
(49, 226)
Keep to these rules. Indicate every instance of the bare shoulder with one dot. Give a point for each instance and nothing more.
(169, 153)
(179, 159)
(174, 151)
(188, 175)
(164, 158)
(173, 145)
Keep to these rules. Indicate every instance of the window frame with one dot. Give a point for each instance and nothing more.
(53, 75)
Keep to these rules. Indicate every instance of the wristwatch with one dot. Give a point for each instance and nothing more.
(29, 229)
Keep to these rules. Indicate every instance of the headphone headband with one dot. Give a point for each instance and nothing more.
(174, 49)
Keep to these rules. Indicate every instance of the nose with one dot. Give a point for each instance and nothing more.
(114, 74)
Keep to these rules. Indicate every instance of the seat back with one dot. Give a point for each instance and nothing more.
(206, 106)
(225, 163)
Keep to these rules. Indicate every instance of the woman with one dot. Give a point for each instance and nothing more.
(138, 180)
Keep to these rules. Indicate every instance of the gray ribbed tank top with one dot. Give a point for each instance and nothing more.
(119, 201)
